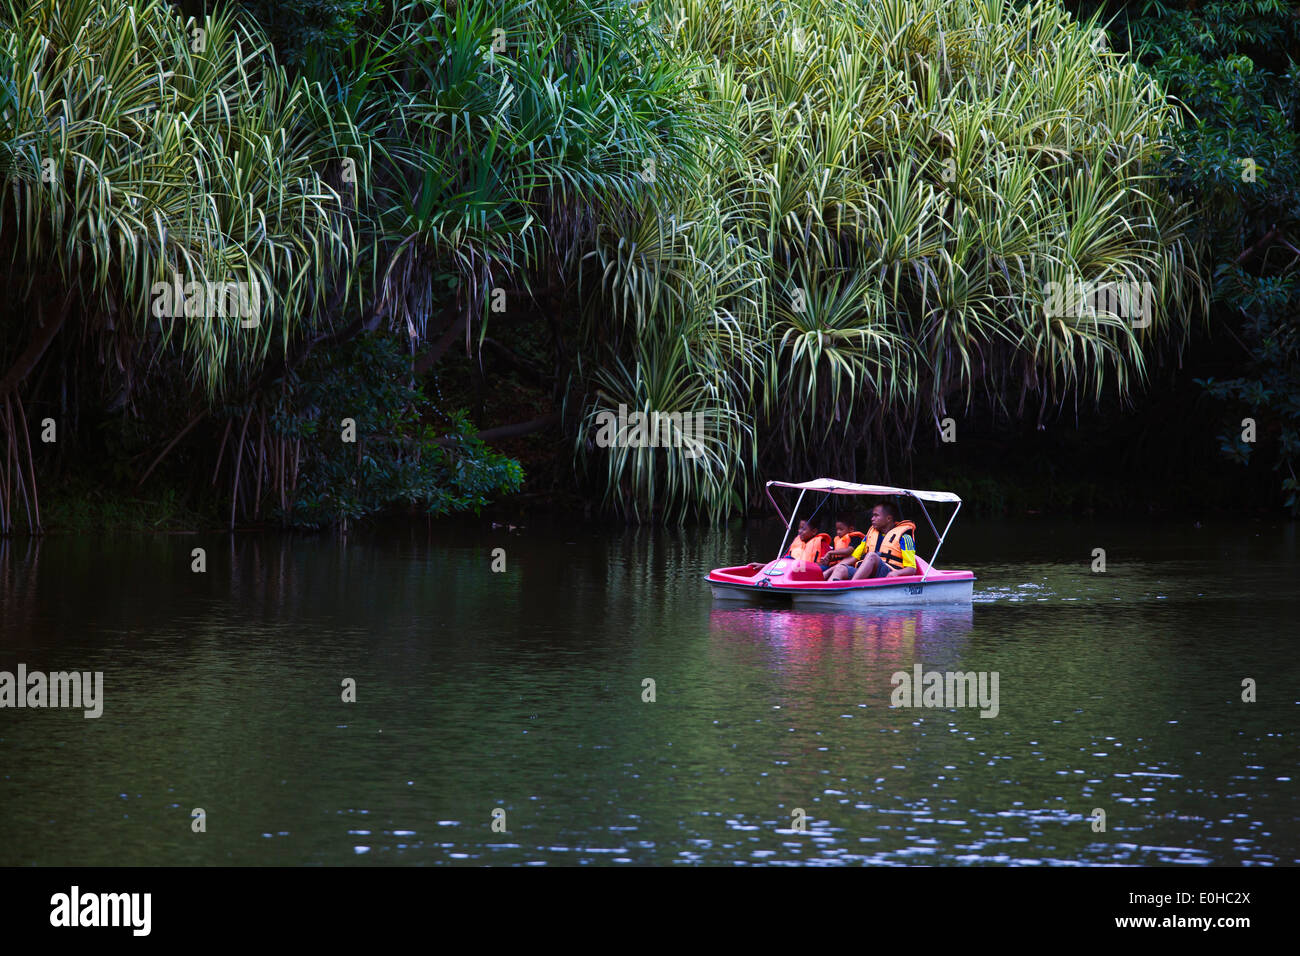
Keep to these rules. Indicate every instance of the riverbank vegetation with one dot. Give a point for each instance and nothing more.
(830, 233)
(1233, 68)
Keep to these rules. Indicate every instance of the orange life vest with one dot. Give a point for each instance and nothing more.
(814, 550)
(890, 550)
(850, 540)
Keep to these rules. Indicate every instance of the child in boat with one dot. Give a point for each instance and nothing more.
(846, 539)
(811, 544)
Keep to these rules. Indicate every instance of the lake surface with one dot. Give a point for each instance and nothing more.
(523, 691)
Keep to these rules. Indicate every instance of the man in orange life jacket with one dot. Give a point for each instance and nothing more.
(889, 549)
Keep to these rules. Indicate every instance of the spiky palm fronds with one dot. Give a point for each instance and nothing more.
(144, 147)
(688, 443)
(164, 192)
(917, 172)
(513, 129)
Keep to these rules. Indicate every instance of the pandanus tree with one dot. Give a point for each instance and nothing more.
(499, 140)
(813, 227)
(489, 143)
(452, 156)
(913, 180)
(147, 160)
(501, 137)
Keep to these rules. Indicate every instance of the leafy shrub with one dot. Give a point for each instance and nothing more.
(398, 457)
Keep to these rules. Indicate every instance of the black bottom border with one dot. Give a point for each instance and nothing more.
(921, 905)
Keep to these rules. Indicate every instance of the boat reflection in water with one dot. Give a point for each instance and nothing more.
(848, 645)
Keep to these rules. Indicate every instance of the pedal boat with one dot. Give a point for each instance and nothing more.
(800, 583)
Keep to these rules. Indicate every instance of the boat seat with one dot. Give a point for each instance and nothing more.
(806, 571)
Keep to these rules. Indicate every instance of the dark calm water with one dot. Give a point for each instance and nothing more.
(522, 690)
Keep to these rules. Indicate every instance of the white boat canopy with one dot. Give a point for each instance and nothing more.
(832, 486)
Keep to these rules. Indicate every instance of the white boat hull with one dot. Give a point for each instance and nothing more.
(930, 592)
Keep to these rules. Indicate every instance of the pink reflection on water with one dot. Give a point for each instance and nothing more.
(841, 647)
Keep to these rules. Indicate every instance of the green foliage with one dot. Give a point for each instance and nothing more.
(1233, 67)
(139, 147)
(491, 139)
(84, 505)
(488, 141)
(306, 28)
(701, 468)
(874, 251)
(396, 459)
(494, 141)
(820, 225)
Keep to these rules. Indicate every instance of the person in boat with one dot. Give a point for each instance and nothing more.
(888, 550)
(846, 539)
(810, 545)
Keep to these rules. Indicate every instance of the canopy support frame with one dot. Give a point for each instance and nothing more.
(941, 537)
(789, 522)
